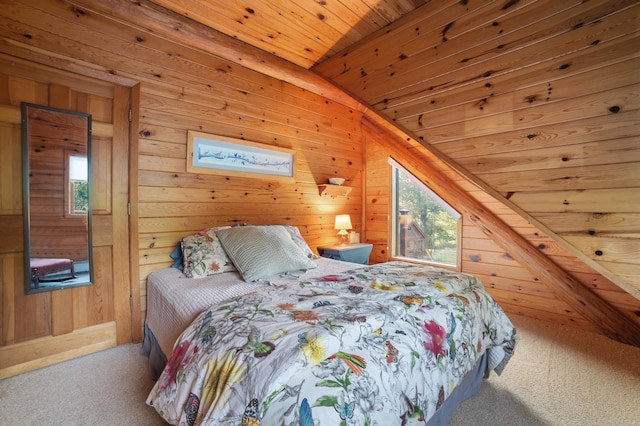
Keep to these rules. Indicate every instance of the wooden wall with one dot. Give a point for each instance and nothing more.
(203, 93)
(178, 87)
(514, 286)
(536, 103)
(183, 88)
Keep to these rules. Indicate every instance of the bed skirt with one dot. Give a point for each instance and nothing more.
(151, 349)
(469, 385)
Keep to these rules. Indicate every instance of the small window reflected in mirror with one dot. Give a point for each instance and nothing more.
(77, 186)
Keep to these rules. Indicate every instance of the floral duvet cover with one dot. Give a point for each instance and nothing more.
(382, 344)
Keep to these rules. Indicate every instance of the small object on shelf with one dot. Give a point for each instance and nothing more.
(336, 181)
(355, 253)
(335, 190)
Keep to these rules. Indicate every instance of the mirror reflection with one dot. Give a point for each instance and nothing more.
(57, 198)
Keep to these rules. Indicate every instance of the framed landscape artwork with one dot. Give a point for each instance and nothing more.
(220, 155)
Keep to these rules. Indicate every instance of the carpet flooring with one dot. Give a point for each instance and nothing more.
(558, 376)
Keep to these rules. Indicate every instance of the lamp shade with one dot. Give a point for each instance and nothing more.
(343, 222)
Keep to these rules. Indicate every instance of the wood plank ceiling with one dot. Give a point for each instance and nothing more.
(303, 32)
(443, 72)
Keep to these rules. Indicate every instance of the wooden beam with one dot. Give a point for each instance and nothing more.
(165, 23)
(585, 302)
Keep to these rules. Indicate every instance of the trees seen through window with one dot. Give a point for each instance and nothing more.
(425, 227)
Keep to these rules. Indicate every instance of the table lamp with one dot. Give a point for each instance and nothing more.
(343, 222)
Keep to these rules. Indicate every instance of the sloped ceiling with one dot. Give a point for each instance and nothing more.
(302, 32)
(442, 71)
(535, 102)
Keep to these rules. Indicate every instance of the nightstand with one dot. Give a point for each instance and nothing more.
(355, 253)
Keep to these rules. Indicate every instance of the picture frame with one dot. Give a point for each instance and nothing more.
(214, 154)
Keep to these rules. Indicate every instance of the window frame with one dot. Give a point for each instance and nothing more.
(395, 220)
(69, 194)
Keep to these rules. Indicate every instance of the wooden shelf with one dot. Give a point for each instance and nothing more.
(334, 190)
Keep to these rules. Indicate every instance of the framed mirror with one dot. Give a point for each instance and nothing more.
(57, 198)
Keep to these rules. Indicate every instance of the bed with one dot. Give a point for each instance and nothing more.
(328, 343)
(41, 266)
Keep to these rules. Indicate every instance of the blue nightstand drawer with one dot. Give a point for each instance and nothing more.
(355, 253)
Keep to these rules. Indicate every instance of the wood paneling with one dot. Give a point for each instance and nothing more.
(531, 249)
(507, 90)
(184, 88)
(301, 32)
(537, 104)
(37, 353)
(42, 328)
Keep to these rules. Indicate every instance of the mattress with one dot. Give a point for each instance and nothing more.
(174, 301)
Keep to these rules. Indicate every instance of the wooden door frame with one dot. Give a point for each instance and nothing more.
(122, 279)
(134, 267)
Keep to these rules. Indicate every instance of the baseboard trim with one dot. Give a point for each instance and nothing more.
(27, 356)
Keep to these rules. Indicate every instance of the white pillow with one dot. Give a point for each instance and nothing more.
(260, 252)
(299, 240)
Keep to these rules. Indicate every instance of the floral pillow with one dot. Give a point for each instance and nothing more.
(203, 254)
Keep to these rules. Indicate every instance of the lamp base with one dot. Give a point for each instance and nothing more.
(343, 237)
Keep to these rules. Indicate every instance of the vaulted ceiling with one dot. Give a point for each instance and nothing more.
(536, 103)
(515, 95)
(302, 32)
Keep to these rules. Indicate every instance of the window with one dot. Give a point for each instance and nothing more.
(78, 187)
(424, 227)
